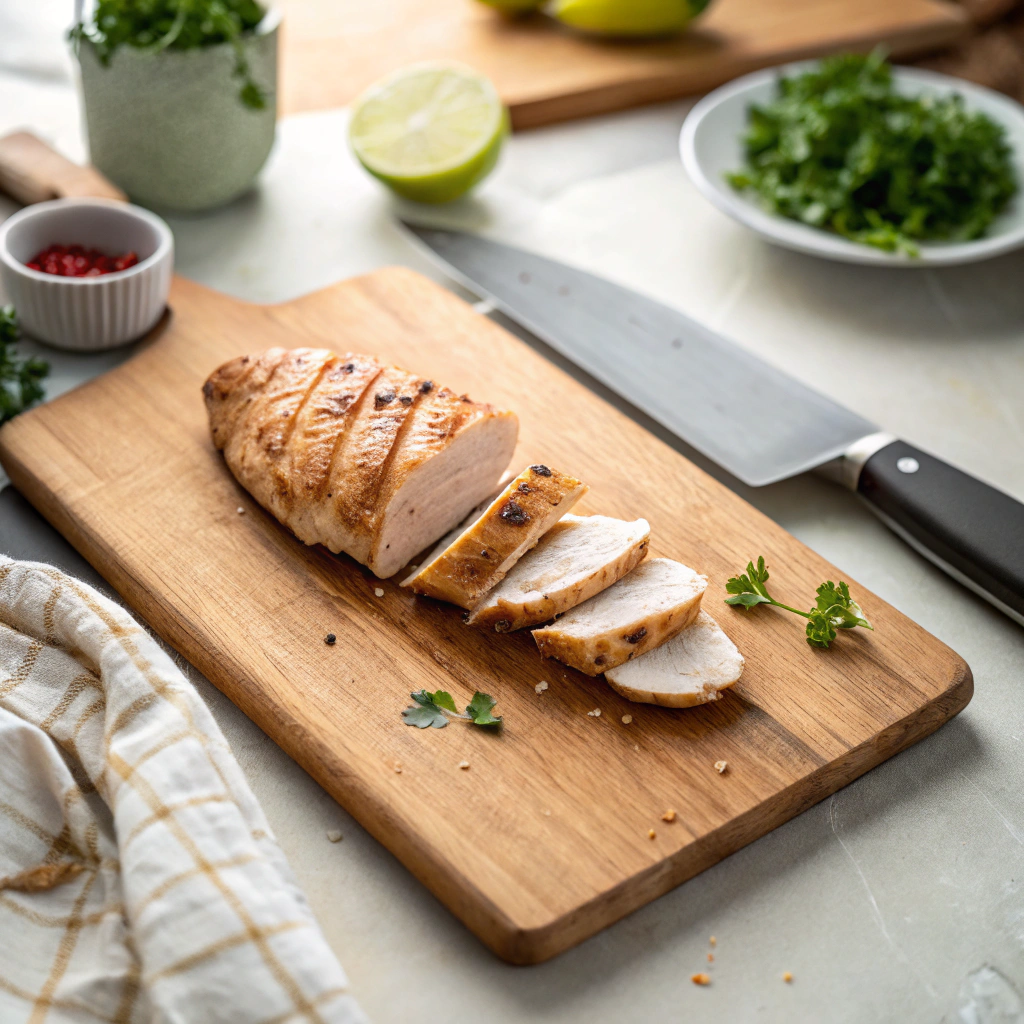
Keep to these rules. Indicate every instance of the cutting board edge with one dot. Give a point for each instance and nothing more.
(662, 88)
(523, 946)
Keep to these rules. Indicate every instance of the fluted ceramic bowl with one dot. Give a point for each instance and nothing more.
(87, 314)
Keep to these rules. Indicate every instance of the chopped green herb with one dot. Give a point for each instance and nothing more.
(834, 609)
(155, 25)
(840, 148)
(432, 710)
(20, 379)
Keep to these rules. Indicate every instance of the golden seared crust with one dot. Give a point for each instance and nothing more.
(361, 464)
(514, 523)
(230, 390)
(255, 451)
(323, 421)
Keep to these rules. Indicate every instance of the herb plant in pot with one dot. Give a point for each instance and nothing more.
(180, 96)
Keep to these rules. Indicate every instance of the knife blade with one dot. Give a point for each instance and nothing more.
(696, 383)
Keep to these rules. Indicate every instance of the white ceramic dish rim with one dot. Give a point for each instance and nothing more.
(163, 232)
(813, 241)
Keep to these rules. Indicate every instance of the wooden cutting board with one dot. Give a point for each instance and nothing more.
(333, 49)
(544, 839)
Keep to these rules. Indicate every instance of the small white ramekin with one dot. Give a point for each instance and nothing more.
(87, 314)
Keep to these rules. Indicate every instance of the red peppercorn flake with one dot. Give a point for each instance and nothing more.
(77, 261)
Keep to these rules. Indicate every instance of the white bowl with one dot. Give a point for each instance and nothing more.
(87, 314)
(711, 146)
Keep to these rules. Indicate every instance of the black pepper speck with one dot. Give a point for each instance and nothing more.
(541, 470)
(383, 398)
(635, 638)
(330, 639)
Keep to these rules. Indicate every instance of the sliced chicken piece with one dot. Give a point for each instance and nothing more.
(694, 667)
(359, 457)
(657, 600)
(577, 558)
(513, 523)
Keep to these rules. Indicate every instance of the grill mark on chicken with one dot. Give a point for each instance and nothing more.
(316, 451)
(230, 398)
(357, 495)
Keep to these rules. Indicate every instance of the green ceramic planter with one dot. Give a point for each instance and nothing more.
(169, 127)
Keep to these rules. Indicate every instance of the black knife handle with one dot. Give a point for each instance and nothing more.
(971, 530)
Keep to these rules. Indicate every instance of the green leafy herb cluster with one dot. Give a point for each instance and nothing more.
(434, 710)
(20, 379)
(833, 610)
(840, 148)
(155, 25)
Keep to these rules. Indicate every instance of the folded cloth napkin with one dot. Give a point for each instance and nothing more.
(139, 880)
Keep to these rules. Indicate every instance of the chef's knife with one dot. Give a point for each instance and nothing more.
(697, 384)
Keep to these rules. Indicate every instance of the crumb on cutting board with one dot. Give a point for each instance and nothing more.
(378, 591)
(669, 815)
(651, 834)
(240, 510)
(596, 713)
(721, 766)
(626, 719)
(541, 686)
(398, 767)
(464, 765)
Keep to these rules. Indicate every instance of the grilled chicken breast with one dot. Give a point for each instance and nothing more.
(483, 553)
(657, 600)
(363, 458)
(694, 667)
(577, 558)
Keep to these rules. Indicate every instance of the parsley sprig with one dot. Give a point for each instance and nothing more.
(834, 608)
(155, 25)
(20, 379)
(433, 710)
(841, 148)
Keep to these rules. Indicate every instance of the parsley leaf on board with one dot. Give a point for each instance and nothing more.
(20, 379)
(155, 25)
(432, 710)
(841, 148)
(834, 608)
(480, 708)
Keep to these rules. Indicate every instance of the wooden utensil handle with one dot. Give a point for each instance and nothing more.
(32, 172)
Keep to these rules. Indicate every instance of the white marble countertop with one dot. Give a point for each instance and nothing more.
(901, 896)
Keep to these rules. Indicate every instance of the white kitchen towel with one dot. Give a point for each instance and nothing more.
(139, 881)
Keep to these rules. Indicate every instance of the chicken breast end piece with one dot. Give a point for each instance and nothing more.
(650, 605)
(695, 667)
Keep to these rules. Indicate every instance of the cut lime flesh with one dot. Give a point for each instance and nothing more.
(430, 132)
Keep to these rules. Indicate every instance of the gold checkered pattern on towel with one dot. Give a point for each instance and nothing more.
(138, 877)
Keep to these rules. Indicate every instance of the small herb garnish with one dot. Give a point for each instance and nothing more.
(834, 609)
(433, 710)
(841, 147)
(155, 25)
(20, 379)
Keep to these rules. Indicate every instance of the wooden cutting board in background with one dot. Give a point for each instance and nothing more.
(333, 49)
(544, 840)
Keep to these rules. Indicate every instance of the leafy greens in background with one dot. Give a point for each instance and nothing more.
(155, 25)
(840, 148)
(833, 610)
(20, 379)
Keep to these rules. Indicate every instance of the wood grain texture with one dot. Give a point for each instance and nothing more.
(333, 49)
(544, 840)
(31, 171)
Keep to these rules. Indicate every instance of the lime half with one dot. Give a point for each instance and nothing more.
(430, 132)
(513, 7)
(627, 17)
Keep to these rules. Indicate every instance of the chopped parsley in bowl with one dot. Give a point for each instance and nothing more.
(840, 147)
